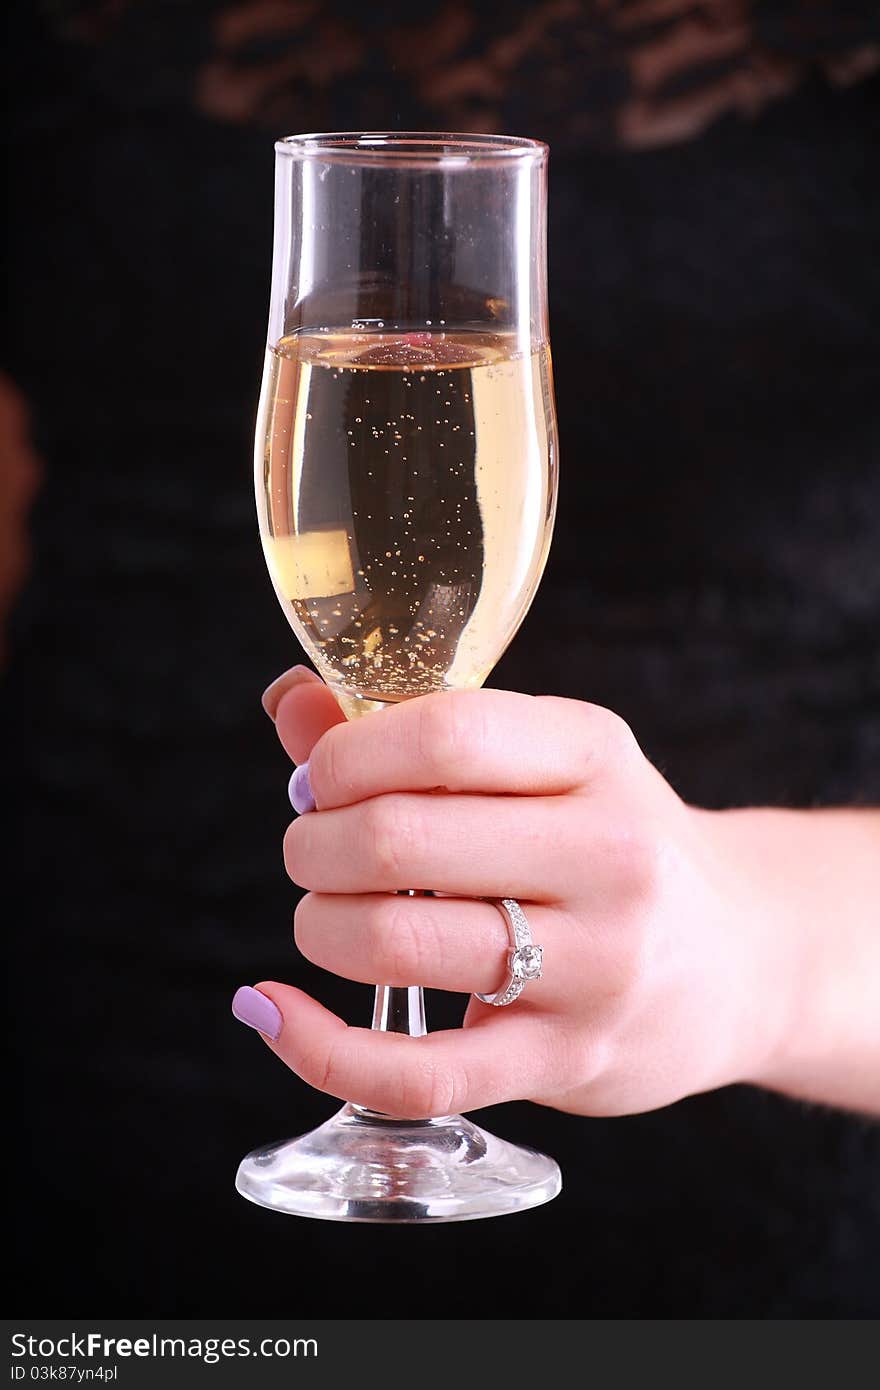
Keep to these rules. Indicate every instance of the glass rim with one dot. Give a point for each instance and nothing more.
(412, 148)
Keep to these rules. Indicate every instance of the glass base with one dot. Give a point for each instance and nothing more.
(360, 1166)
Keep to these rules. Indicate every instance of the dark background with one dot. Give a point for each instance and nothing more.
(715, 578)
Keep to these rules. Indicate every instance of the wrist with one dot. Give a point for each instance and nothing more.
(769, 962)
(810, 881)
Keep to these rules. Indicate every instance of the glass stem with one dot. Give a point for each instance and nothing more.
(400, 1010)
(396, 1009)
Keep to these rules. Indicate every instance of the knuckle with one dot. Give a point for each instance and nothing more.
(426, 1090)
(393, 940)
(606, 741)
(596, 1058)
(316, 1067)
(634, 963)
(645, 856)
(334, 1070)
(390, 836)
(325, 770)
(452, 732)
(616, 740)
(571, 1055)
(638, 848)
(628, 975)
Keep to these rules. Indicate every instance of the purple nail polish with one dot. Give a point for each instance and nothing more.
(299, 789)
(257, 1011)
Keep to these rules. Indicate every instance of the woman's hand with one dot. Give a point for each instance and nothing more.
(674, 957)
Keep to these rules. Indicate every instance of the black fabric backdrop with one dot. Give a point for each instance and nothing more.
(715, 578)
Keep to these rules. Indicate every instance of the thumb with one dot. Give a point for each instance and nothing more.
(305, 711)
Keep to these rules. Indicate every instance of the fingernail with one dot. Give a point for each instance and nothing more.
(299, 789)
(257, 1011)
(271, 696)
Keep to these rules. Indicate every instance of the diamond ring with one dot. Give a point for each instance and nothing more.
(524, 959)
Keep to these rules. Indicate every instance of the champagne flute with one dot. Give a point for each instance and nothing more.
(406, 464)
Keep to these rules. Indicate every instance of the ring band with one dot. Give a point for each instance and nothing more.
(524, 958)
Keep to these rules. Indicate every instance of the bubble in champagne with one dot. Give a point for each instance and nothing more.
(405, 544)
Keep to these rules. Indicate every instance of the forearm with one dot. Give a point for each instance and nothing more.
(814, 879)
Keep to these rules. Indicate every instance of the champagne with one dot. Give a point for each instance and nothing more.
(406, 486)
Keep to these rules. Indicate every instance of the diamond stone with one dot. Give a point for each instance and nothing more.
(525, 964)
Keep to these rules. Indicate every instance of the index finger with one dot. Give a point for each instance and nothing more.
(492, 741)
